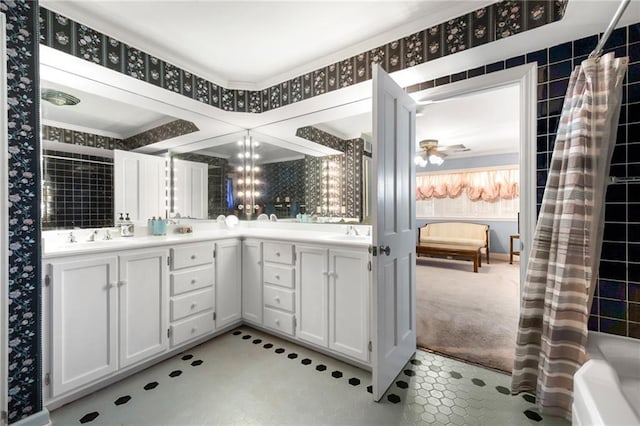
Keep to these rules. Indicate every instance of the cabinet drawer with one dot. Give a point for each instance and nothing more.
(191, 255)
(278, 275)
(278, 253)
(277, 320)
(279, 298)
(191, 279)
(191, 303)
(191, 328)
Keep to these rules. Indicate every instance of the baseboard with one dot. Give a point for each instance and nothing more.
(41, 418)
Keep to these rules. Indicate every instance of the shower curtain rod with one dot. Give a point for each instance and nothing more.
(612, 25)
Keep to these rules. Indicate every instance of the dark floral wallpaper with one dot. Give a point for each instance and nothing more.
(166, 131)
(499, 20)
(59, 134)
(24, 387)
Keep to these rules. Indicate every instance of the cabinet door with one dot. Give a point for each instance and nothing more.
(228, 283)
(144, 305)
(312, 294)
(83, 322)
(190, 189)
(349, 301)
(252, 281)
(139, 182)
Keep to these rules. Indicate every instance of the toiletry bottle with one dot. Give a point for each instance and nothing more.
(127, 227)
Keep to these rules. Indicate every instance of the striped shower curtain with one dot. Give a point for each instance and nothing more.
(565, 255)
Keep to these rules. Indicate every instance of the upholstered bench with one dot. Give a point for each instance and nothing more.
(465, 234)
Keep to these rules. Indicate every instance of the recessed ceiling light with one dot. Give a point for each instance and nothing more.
(58, 98)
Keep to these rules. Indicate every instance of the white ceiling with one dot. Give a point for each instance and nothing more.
(248, 44)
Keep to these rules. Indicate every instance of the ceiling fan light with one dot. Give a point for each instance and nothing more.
(435, 159)
(420, 161)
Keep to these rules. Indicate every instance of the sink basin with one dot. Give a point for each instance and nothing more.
(344, 237)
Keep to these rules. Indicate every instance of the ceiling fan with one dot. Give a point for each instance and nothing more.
(431, 153)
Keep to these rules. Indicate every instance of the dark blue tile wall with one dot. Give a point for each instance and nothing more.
(616, 306)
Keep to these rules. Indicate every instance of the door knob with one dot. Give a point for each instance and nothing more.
(385, 249)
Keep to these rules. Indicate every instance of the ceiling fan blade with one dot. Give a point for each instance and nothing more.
(454, 148)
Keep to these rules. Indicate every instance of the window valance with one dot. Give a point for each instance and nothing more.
(485, 185)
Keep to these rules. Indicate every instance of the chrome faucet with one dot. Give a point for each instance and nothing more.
(72, 238)
(107, 235)
(352, 230)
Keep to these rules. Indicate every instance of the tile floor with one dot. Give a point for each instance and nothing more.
(250, 377)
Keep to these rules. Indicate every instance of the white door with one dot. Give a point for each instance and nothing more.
(144, 305)
(139, 184)
(394, 230)
(252, 281)
(83, 322)
(312, 294)
(349, 301)
(228, 284)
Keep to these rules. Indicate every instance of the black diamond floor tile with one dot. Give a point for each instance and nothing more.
(529, 398)
(532, 415)
(235, 333)
(402, 384)
(175, 373)
(305, 361)
(336, 374)
(197, 362)
(257, 341)
(268, 346)
(409, 373)
(89, 417)
(150, 385)
(187, 357)
(455, 375)
(279, 350)
(393, 398)
(354, 381)
(503, 390)
(478, 382)
(321, 367)
(292, 356)
(370, 389)
(122, 400)
(416, 362)
(246, 337)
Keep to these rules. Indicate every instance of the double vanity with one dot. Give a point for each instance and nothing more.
(114, 307)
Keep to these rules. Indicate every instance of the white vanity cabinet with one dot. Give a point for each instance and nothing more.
(252, 281)
(278, 275)
(193, 295)
(333, 299)
(83, 328)
(228, 285)
(190, 188)
(143, 293)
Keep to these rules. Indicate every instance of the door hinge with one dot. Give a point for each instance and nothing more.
(214, 253)
(47, 280)
(295, 322)
(47, 379)
(370, 346)
(369, 265)
(168, 260)
(295, 256)
(214, 316)
(373, 250)
(169, 332)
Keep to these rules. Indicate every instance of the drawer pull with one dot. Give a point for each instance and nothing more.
(277, 299)
(277, 277)
(194, 329)
(193, 256)
(193, 281)
(193, 305)
(277, 321)
(278, 253)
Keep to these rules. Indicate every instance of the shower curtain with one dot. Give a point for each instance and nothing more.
(565, 254)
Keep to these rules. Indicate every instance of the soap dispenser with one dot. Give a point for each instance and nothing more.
(126, 229)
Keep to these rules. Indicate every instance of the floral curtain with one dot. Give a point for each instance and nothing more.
(485, 185)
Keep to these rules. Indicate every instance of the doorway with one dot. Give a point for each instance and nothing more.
(462, 314)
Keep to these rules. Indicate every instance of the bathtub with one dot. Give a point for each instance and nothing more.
(606, 389)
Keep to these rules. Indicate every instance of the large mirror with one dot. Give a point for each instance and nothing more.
(298, 167)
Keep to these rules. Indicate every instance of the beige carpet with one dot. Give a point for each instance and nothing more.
(467, 315)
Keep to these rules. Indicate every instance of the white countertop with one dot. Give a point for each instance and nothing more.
(55, 243)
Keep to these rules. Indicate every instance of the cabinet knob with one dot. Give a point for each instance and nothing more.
(277, 321)
(194, 329)
(277, 299)
(193, 256)
(278, 253)
(193, 281)
(193, 305)
(277, 277)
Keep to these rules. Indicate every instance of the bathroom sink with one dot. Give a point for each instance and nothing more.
(344, 237)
